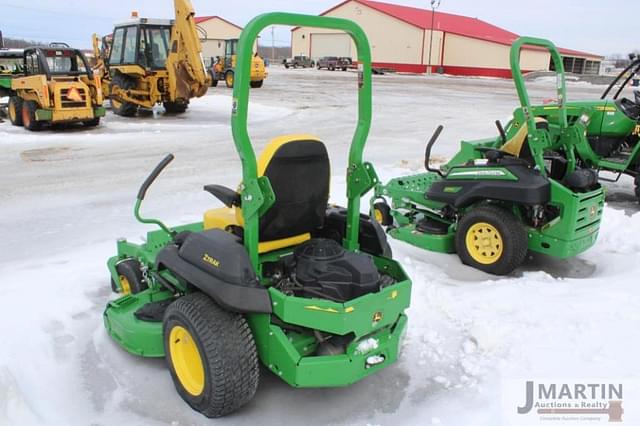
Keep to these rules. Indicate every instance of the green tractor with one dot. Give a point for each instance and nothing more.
(502, 196)
(276, 276)
(613, 135)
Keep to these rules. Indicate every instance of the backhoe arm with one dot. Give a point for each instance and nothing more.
(187, 75)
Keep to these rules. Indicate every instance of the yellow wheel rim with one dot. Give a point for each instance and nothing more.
(186, 360)
(115, 104)
(484, 243)
(377, 214)
(125, 285)
(229, 79)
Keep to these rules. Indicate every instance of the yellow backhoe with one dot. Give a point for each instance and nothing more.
(150, 61)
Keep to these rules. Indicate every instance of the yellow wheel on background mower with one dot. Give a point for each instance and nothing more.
(491, 239)
(382, 213)
(484, 243)
(186, 360)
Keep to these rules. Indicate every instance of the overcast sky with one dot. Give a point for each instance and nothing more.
(604, 27)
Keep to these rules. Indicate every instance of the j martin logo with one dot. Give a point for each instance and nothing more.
(574, 399)
(561, 402)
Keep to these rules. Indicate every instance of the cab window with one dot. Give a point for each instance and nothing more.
(129, 56)
(116, 47)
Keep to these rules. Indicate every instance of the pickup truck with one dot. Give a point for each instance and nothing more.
(298, 61)
(333, 62)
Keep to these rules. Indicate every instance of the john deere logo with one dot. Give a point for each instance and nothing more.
(593, 211)
(636, 131)
(211, 261)
(377, 316)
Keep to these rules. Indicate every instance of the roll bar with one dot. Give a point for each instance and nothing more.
(256, 193)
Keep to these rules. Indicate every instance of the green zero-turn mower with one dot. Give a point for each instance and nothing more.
(499, 197)
(277, 276)
(613, 134)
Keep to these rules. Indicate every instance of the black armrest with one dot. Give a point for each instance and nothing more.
(227, 195)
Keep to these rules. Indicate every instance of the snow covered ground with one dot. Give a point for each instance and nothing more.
(66, 196)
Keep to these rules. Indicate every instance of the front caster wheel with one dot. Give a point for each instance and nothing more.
(382, 213)
(130, 278)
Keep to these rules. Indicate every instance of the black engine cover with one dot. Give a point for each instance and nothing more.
(323, 267)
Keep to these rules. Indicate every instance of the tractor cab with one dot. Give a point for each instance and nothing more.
(141, 42)
(55, 63)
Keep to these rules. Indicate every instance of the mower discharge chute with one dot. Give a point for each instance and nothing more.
(277, 275)
(499, 197)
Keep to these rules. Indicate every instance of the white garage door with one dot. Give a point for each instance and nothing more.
(330, 45)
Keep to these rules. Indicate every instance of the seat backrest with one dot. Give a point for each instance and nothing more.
(299, 172)
(518, 145)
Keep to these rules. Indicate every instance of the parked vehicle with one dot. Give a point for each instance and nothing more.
(277, 276)
(333, 63)
(151, 61)
(328, 62)
(299, 61)
(503, 196)
(224, 67)
(55, 85)
(347, 63)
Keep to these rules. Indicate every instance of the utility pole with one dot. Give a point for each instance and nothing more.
(434, 5)
(273, 44)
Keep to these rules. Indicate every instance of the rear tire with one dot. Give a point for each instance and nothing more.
(130, 277)
(175, 107)
(119, 107)
(29, 116)
(15, 110)
(637, 182)
(229, 78)
(211, 355)
(491, 239)
(256, 84)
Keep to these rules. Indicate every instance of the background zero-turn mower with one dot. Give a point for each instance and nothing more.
(277, 275)
(499, 197)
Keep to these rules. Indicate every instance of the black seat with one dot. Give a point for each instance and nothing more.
(299, 172)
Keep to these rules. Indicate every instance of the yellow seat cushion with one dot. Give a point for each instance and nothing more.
(514, 145)
(224, 218)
